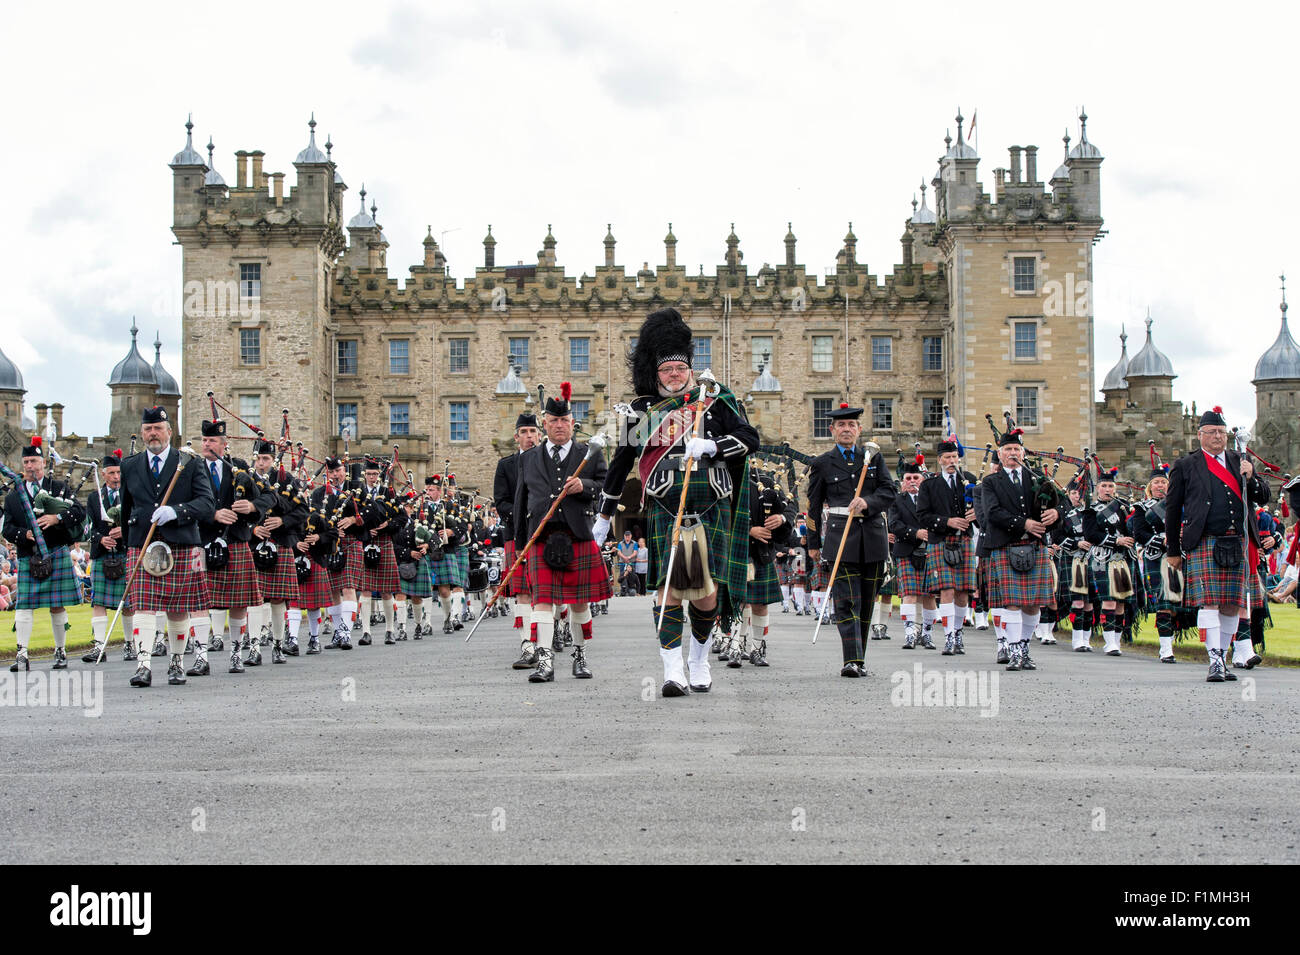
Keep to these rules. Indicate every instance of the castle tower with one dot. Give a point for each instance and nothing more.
(1277, 382)
(133, 387)
(257, 271)
(1018, 335)
(1115, 385)
(168, 392)
(11, 412)
(1150, 375)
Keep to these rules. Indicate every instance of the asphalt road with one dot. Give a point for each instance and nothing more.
(436, 751)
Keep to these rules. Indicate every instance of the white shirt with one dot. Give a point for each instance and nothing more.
(162, 458)
(1014, 474)
(564, 449)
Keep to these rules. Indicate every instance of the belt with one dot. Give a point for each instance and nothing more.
(842, 512)
(678, 463)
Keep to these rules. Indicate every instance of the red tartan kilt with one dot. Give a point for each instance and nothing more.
(939, 576)
(280, 584)
(1209, 585)
(910, 580)
(235, 586)
(382, 579)
(184, 590)
(519, 579)
(350, 575)
(989, 588)
(317, 590)
(1256, 592)
(587, 578)
(1034, 589)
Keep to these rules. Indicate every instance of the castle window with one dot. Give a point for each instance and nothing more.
(250, 281)
(399, 356)
(459, 420)
(399, 417)
(347, 357)
(519, 353)
(882, 353)
(932, 353)
(703, 354)
(250, 409)
(1024, 275)
(348, 418)
(932, 413)
(580, 354)
(821, 420)
(823, 354)
(882, 414)
(758, 346)
(1026, 340)
(581, 411)
(459, 355)
(250, 346)
(1027, 406)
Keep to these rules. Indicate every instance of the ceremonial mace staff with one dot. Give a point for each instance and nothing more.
(870, 447)
(594, 448)
(713, 392)
(185, 453)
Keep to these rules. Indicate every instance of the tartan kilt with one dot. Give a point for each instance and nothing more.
(453, 569)
(1099, 577)
(784, 577)
(350, 575)
(939, 576)
(1064, 568)
(888, 584)
(1155, 588)
(422, 585)
(1256, 592)
(1206, 584)
(60, 589)
(317, 590)
(716, 517)
(519, 579)
(1034, 589)
(236, 585)
(989, 587)
(184, 590)
(105, 592)
(280, 584)
(382, 579)
(764, 588)
(819, 577)
(910, 580)
(585, 580)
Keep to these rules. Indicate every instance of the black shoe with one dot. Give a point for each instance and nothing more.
(926, 642)
(346, 642)
(1168, 659)
(128, 652)
(672, 688)
(93, 655)
(1003, 655)
(1229, 676)
(580, 668)
(313, 646)
(527, 659)
(737, 656)
(957, 646)
(236, 665)
(758, 656)
(1254, 661)
(401, 632)
(277, 653)
(254, 657)
(947, 647)
(200, 668)
(850, 670)
(21, 662)
(60, 659)
(1025, 662)
(457, 625)
(264, 639)
(291, 648)
(176, 671)
(143, 677)
(446, 626)
(717, 645)
(159, 647)
(862, 670)
(364, 641)
(388, 638)
(545, 672)
(216, 645)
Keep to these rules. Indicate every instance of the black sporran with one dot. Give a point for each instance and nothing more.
(558, 552)
(113, 566)
(336, 560)
(1227, 552)
(41, 568)
(265, 555)
(371, 554)
(302, 564)
(917, 557)
(953, 555)
(408, 572)
(1021, 557)
(216, 554)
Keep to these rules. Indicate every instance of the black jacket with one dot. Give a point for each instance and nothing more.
(540, 485)
(904, 522)
(936, 502)
(504, 483)
(831, 483)
(242, 530)
(763, 503)
(1096, 528)
(96, 506)
(142, 493)
(288, 504)
(1193, 496)
(62, 534)
(1008, 510)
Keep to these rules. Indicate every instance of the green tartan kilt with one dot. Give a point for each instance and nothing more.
(1155, 588)
(889, 585)
(716, 517)
(60, 589)
(764, 589)
(105, 592)
(422, 585)
(1099, 576)
(453, 569)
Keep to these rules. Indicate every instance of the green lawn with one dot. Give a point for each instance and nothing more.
(1283, 639)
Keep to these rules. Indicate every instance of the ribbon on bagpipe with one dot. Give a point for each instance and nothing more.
(260, 435)
(30, 514)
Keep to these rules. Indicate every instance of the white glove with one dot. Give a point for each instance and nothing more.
(600, 530)
(698, 447)
(163, 515)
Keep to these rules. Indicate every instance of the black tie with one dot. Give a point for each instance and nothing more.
(848, 457)
(555, 455)
(1015, 478)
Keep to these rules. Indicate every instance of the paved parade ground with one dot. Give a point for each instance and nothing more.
(436, 751)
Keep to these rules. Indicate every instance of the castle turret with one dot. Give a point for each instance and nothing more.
(1085, 174)
(1115, 385)
(133, 387)
(1277, 383)
(167, 391)
(188, 174)
(1150, 375)
(11, 411)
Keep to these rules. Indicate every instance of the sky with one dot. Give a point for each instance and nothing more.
(576, 114)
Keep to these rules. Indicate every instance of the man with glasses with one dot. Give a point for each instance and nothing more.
(1210, 527)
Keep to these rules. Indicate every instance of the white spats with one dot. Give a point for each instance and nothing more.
(295, 622)
(1079, 637)
(1207, 621)
(761, 622)
(1241, 650)
(1166, 647)
(674, 665)
(699, 663)
(200, 626)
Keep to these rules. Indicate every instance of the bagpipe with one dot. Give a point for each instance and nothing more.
(1043, 486)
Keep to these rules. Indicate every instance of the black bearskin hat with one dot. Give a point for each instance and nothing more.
(664, 336)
